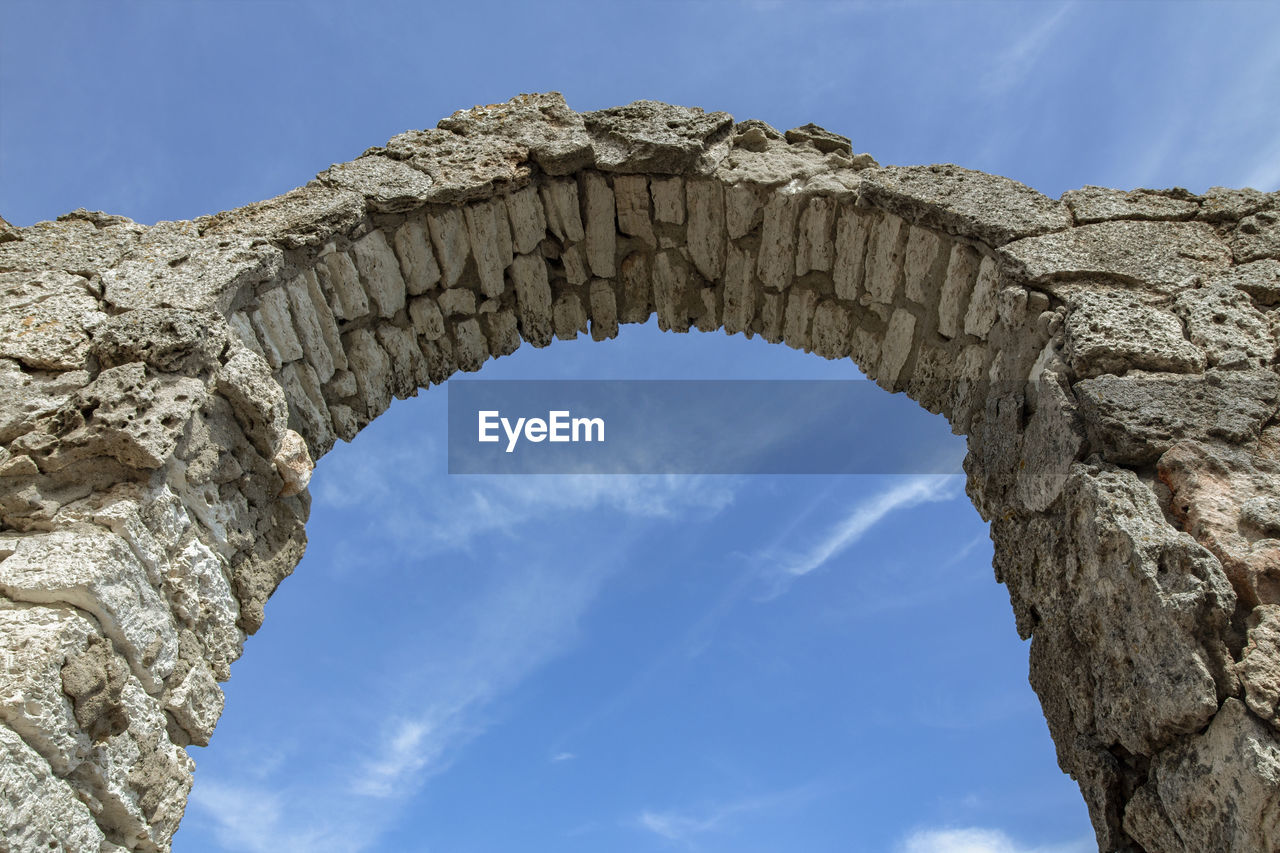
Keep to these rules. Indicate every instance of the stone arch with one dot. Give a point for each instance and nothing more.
(1111, 358)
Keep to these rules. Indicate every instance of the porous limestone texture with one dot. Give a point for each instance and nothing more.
(1110, 356)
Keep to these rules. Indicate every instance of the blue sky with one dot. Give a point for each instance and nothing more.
(557, 664)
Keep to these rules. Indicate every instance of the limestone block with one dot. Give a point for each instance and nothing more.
(739, 291)
(196, 703)
(448, 229)
(256, 398)
(853, 233)
(815, 251)
(1133, 419)
(564, 218)
(138, 780)
(1111, 331)
(426, 317)
(885, 258)
(1100, 204)
(960, 201)
(123, 519)
(1201, 790)
(501, 331)
(418, 264)
(1259, 666)
(632, 193)
(832, 329)
(528, 222)
(637, 302)
(706, 229)
(490, 243)
(343, 385)
(1257, 237)
(1163, 255)
(604, 310)
(1052, 439)
(46, 319)
(865, 349)
(274, 326)
(372, 369)
(981, 314)
(668, 199)
(196, 585)
(457, 300)
(344, 421)
(772, 306)
(337, 275)
(408, 367)
(135, 419)
(648, 136)
(439, 356)
(98, 574)
(925, 265)
(801, 303)
(575, 266)
(38, 810)
(1219, 494)
(310, 334)
(533, 299)
(1222, 321)
(961, 276)
(776, 264)
(933, 378)
(323, 315)
(602, 234)
(669, 287)
(172, 340)
(379, 269)
(242, 329)
(708, 319)
(388, 186)
(967, 398)
(1260, 279)
(470, 347)
(742, 208)
(568, 317)
(898, 338)
(308, 411)
(32, 701)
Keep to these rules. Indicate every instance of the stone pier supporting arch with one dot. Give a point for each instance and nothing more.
(1111, 357)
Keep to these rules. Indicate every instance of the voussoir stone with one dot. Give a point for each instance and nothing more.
(963, 202)
(650, 136)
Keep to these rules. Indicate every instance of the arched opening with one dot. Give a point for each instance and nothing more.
(666, 691)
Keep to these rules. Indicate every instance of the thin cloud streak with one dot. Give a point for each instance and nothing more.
(1012, 65)
(685, 827)
(866, 515)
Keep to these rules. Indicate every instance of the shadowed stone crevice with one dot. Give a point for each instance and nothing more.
(1111, 358)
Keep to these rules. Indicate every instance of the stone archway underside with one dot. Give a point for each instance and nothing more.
(1111, 357)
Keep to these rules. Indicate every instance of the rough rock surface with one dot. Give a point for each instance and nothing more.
(1111, 357)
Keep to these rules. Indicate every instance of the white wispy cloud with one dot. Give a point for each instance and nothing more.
(420, 509)
(563, 756)
(1011, 66)
(865, 516)
(685, 827)
(981, 840)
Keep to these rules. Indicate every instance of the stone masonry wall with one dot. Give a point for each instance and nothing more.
(1111, 357)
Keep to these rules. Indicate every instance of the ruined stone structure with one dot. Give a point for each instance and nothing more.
(1111, 357)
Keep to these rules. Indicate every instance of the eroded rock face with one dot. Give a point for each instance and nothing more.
(1111, 356)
